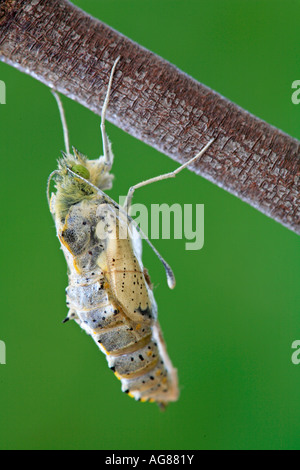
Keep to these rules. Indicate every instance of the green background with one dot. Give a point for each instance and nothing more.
(234, 314)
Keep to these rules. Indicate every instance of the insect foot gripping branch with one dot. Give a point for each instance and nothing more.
(110, 294)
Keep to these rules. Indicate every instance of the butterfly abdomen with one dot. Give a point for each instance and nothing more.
(132, 351)
(110, 296)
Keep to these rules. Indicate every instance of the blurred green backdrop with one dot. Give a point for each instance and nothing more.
(234, 314)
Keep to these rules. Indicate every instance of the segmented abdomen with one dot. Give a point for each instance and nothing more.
(135, 351)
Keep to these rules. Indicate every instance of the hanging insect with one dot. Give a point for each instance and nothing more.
(110, 293)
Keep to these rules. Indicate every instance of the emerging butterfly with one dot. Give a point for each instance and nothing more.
(110, 293)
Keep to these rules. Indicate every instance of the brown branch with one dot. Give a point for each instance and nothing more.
(67, 49)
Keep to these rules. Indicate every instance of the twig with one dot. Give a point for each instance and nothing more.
(68, 50)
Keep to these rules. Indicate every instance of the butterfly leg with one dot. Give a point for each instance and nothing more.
(172, 174)
(63, 121)
(107, 151)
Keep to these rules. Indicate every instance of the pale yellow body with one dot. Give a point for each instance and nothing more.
(110, 294)
(111, 298)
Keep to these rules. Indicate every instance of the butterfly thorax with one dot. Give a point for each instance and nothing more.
(71, 190)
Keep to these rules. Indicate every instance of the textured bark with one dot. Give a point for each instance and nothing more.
(67, 49)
